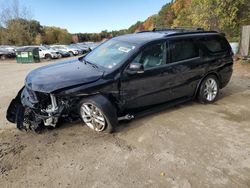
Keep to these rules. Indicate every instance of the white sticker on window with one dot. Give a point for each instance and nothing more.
(124, 49)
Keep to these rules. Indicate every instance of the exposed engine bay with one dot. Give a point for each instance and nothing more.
(32, 110)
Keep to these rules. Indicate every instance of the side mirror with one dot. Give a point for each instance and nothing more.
(135, 68)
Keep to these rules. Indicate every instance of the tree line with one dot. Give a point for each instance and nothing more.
(227, 16)
(18, 28)
(26, 32)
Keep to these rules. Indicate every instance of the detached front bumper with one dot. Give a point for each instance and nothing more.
(31, 110)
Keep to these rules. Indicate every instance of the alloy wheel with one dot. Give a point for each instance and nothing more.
(93, 117)
(211, 89)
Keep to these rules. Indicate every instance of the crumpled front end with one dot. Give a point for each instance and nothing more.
(33, 110)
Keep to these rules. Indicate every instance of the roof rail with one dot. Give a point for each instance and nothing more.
(144, 31)
(191, 32)
(190, 28)
(180, 29)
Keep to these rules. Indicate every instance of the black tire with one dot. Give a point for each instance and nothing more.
(107, 109)
(71, 54)
(204, 91)
(48, 57)
(3, 57)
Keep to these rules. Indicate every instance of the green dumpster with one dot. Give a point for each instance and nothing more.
(27, 55)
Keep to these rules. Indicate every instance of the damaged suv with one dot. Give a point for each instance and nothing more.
(124, 77)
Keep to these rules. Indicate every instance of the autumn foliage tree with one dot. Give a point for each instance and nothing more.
(56, 35)
(225, 16)
(17, 27)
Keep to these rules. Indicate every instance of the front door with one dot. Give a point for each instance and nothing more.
(151, 86)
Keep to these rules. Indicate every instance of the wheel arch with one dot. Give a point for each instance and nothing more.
(48, 55)
(203, 78)
(107, 106)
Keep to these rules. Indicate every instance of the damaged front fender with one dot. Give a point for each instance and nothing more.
(33, 110)
(14, 108)
(17, 113)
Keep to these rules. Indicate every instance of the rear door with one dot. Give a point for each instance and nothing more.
(185, 63)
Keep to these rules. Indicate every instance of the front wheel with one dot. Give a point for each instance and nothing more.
(3, 57)
(98, 114)
(209, 89)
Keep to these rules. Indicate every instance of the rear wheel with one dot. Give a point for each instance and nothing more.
(98, 114)
(209, 89)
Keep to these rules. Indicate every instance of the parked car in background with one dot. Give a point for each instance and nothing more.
(89, 45)
(63, 53)
(72, 51)
(45, 53)
(92, 46)
(9, 48)
(5, 53)
(80, 48)
(124, 76)
(60, 52)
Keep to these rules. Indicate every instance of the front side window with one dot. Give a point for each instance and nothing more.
(182, 50)
(110, 54)
(151, 56)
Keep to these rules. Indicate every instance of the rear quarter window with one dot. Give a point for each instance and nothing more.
(214, 44)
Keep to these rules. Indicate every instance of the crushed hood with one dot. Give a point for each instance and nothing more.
(62, 75)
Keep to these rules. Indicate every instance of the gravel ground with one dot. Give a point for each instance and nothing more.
(191, 145)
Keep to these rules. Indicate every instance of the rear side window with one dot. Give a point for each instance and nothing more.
(214, 44)
(183, 50)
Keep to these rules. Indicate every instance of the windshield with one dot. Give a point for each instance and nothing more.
(110, 54)
(43, 48)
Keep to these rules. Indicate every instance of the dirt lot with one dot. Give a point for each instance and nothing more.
(191, 145)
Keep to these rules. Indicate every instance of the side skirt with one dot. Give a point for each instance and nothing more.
(134, 114)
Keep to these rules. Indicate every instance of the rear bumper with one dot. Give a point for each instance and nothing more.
(225, 75)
